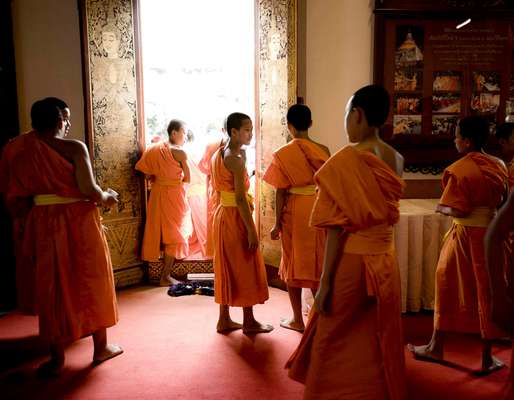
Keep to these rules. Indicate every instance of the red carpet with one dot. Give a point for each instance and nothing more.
(173, 352)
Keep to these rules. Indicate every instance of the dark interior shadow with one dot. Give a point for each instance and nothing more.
(17, 351)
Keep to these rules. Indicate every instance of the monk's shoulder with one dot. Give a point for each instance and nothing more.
(233, 161)
(179, 154)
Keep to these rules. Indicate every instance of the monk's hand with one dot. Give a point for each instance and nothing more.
(110, 198)
(322, 297)
(253, 240)
(275, 232)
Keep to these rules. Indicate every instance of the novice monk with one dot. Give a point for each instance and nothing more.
(239, 273)
(499, 230)
(168, 219)
(212, 195)
(473, 188)
(291, 172)
(352, 346)
(75, 284)
(506, 141)
(25, 268)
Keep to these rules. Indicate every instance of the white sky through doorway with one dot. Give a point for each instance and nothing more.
(198, 66)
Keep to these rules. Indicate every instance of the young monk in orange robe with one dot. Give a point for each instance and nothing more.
(291, 172)
(352, 346)
(239, 272)
(168, 218)
(75, 284)
(195, 194)
(25, 268)
(473, 188)
(212, 195)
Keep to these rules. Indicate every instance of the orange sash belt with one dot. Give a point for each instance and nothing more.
(375, 240)
(167, 182)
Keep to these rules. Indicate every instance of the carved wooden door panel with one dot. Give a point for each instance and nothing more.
(276, 55)
(111, 77)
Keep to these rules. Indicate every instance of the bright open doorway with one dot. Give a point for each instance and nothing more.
(198, 60)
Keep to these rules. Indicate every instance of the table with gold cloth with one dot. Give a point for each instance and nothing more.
(418, 239)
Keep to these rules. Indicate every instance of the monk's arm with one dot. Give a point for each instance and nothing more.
(333, 249)
(280, 200)
(85, 179)
(181, 157)
(236, 166)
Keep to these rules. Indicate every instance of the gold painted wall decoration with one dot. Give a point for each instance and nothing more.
(111, 74)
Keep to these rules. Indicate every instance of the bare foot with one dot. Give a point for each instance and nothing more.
(110, 351)
(425, 353)
(257, 327)
(227, 325)
(490, 366)
(50, 369)
(292, 324)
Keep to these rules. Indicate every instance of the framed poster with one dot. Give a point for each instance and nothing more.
(437, 73)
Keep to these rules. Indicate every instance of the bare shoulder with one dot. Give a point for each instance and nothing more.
(179, 154)
(72, 147)
(392, 158)
(498, 160)
(234, 161)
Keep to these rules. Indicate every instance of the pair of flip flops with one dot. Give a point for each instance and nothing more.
(187, 288)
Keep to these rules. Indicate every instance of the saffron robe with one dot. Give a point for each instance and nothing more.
(25, 268)
(239, 274)
(168, 216)
(294, 165)
(75, 284)
(462, 298)
(212, 195)
(195, 193)
(355, 351)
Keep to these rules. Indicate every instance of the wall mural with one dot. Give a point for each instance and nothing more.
(277, 91)
(113, 137)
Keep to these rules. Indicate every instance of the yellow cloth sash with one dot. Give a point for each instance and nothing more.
(309, 190)
(375, 240)
(479, 217)
(51, 199)
(228, 199)
(167, 182)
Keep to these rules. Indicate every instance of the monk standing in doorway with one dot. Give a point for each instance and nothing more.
(168, 219)
(212, 195)
(352, 346)
(239, 272)
(474, 188)
(75, 284)
(291, 172)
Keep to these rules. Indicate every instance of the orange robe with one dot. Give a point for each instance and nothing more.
(195, 194)
(212, 195)
(294, 165)
(355, 351)
(75, 285)
(462, 299)
(239, 274)
(168, 216)
(25, 268)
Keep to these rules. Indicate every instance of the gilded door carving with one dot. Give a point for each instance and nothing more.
(276, 46)
(110, 58)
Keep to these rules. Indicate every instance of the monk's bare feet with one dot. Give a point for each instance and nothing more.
(489, 366)
(256, 327)
(110, 351)
(426, 353)
(292, 324)
(227, 326)
(50, 369)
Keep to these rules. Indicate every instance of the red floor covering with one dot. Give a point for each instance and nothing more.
(172, 352)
